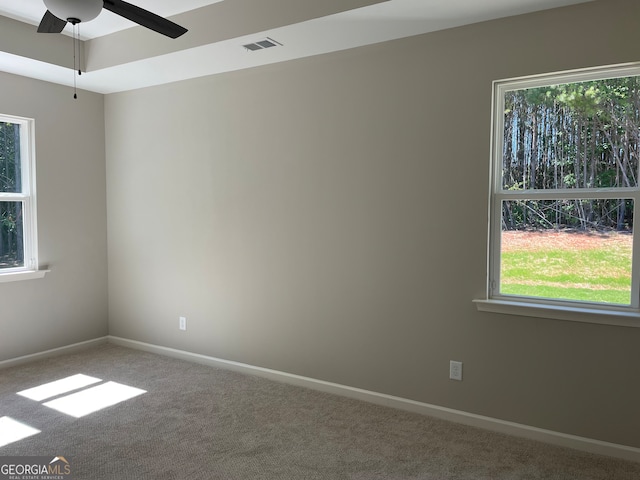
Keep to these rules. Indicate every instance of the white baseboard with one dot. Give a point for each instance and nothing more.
(488, 423)
(12, 362)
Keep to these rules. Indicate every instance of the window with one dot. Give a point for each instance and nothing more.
(564, 191)
(18, 249)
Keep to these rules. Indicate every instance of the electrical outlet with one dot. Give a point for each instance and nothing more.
(455, 370)
(182, 323)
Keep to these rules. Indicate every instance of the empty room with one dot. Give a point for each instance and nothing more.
(340, 239)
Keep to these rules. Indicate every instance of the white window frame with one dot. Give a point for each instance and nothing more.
(27, 197)
(541, 307)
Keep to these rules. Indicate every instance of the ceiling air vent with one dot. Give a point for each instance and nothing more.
(262, 44)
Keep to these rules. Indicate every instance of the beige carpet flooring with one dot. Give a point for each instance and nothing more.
(199, 422)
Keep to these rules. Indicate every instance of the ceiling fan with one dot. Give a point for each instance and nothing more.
(59, 12)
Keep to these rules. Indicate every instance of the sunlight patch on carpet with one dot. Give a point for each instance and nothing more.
(11, 431)
(59, 387)
(93, 399)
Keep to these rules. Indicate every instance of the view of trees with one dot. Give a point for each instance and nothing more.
(11, 232)
(572, 136)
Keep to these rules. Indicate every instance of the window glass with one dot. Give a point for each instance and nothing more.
(11, 235)
(18, 229)
(566, 162)
(575, 135)
(547, 252)
(10, 161)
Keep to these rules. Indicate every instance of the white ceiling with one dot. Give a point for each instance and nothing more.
(31, 11)
(202, 52)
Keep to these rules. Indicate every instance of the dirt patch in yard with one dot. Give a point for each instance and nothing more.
(563, 240)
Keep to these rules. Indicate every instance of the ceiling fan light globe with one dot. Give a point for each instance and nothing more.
(83, 10)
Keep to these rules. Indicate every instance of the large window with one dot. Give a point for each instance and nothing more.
(18, 249)
(565, 189)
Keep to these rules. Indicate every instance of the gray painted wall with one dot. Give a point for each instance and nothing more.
(69, 304)
(297, 215)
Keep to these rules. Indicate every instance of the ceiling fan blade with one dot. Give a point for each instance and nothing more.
(51, 24)
(145, 18)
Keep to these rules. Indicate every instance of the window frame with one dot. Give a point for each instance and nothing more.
(27, 197)
(494, 301)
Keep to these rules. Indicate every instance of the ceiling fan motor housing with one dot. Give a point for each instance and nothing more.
(78, 10)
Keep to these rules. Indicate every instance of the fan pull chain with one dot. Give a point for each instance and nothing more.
(77, 66)
(79, 53)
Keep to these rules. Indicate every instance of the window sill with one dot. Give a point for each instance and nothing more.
(23, 275)
(604, 316)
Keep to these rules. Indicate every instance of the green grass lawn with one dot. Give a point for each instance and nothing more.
(595, 274)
